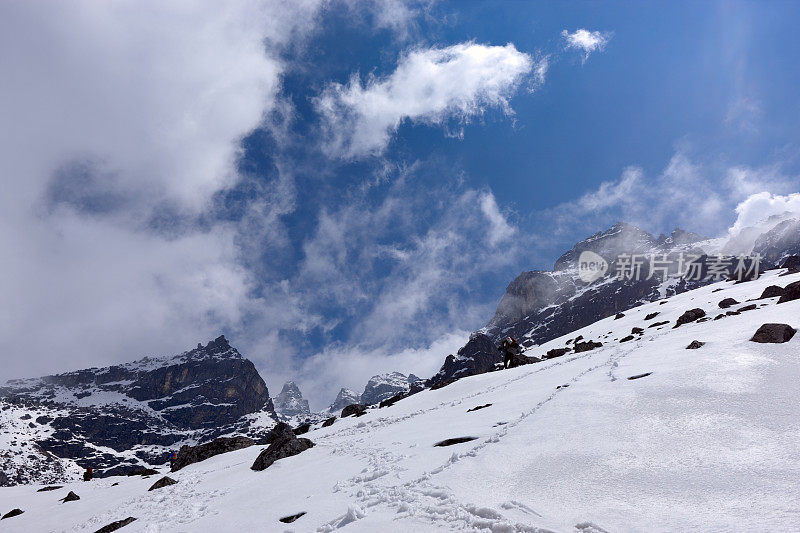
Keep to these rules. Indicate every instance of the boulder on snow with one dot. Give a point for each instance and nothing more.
(113, 526)
(455, 440)
(618, 316)
(640, 376)
(354, 409)
(774, 333)
(188, 455)
(727, 302)
(657, 324)
(772, 291)
(291, 518)
(51, 487)
(555, 352)
(479, 407)
(586, 346)
(12, 513)
(637, 331)
(749, 307)
(689, 316)
(284, 447)
(301, 429)
(71, 497)
(163, 482)
(695, 345)
(790, 292)
(329, 422)
(651, 316)
(626, 339)
(141, 471)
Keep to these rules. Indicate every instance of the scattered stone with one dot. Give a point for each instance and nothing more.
(51, 487)
(188, 455)
(292, 518)
(586, 346)
(704, 319)
(619, 315)
(354, 409)
(774, 333)
(556, 352)
(456, 440)
(689, 316)
(301, 429)
(578, 338)
(639, 376)
(772, 291)
(71, 497)
(329, 422)
(141, 471)
(747, 308)
(286, 446)
(479, 407)
(114, 484)
(727, 302)
(637, 331)
(564, 386)
(657, 324)
(790, 292)
(163, 482)
(113, 526)
(662, 302)
(695, 345)
(651, 316)
(12, 513)
(732, 313)
(626, 339)
(721, 315)
(25, 417)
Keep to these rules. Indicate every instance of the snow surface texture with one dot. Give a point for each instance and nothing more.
(708, 441)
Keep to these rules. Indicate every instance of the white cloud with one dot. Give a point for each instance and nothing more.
(586, 41)
(116, 113)
(758, 207)
(499, 228)
(430, 86)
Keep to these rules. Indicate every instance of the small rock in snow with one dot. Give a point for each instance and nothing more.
(291, 518)
(163, 482)
(695, 345)
(12, 513)
(113, 526)
(71, 497)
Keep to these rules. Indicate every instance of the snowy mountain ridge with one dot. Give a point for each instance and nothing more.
(656, 432)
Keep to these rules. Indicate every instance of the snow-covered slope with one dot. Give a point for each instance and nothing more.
(707, 440)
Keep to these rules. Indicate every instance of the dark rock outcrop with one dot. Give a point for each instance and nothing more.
(690, 316)
(329, 422)
(286, 446)
(113, 526)
(586, 346)
(749, 307)
(556, 352)
(188, 455)
(163, 482)
(301, 429)
(652, 315)
(640, 376)
(772, 291)
(790, 292)
(479, 355)
(626, 339)
(455, 440)
(791, 264)
(479, 407)
(291, 518)
(12, 513)
(49, 488)
(355, 409)
(694, 345)
(70, 497)
(774, 333)
(727, 302)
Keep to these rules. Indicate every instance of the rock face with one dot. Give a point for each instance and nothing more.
(343, 399)
(774, 333)
(690, 316)
(384, 386)
(290, 402)
(285, 446)
(119, 417)
(790, 292)
(479, 355)
(188, 455)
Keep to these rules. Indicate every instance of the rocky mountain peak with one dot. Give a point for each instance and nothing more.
(290, 401)
(384, 386)
(343, 399)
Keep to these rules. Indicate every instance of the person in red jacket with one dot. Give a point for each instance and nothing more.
(87, 476)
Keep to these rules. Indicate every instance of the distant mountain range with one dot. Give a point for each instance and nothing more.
(121, 417)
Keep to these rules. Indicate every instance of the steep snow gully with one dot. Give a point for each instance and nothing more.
(706, 439)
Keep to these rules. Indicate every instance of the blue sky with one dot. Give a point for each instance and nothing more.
(346, 187)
